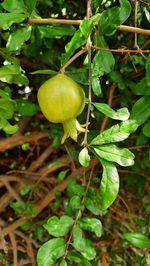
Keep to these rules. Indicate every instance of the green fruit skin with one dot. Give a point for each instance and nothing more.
(60, 99)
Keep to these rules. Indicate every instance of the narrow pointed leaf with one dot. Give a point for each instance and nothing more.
(137, 239)
(121, 114)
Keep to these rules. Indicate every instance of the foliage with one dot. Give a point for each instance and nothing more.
(48, 49)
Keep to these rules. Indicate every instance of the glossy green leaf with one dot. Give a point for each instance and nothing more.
(26, 108)
(116, 133)
(112, 153)
(146, 129)
(7, 107)
(137, 239)
(58, 227)
(92, 205)
(56, 31)
(63, 263)
(96, 87)
(92, 225)
(51, 251)
(13, 74)
(148, 70)
(16, 6)
(84, 246)
(75, 202)
(6, 126)
(141, 110)
(113, 17)
(103, 62)
(17, 38)
(79, 39)
(78, 259)
(121, 114)
(84, 157)
(109, 186)
(7, 19)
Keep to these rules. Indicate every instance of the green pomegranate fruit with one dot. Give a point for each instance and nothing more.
(61, 100)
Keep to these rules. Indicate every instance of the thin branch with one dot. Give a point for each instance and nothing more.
(134, 29)
(135, 23)
(120, 50)
(47, 21)
(88, 45)
(73, 58)
(110, 98)
(139, 147)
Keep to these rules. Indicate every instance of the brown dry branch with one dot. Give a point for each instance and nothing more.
(50, 21)
(17, 140)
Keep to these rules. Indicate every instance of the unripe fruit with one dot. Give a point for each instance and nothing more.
(61, 100)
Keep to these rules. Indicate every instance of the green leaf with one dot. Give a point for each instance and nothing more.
(74, 189)
(79, 39)
(92, 205)
(75, 202)
(17, 38)
(103, 62)
(26, 108)
(12, 74)
(146, 129)
(113, 17)
(7, 106)
(96, 87)
(6, 126)
(44, 71)
(148, 70)
(140, 88)
(141, 110)
(109, 187)
(30, 4)
(80, 75)
(121, 114)
(112, 153)
(63, 263)
(7, 19)
(51, 251)
(16, 6)
(56, 31)
(25, 190)
(84, 157)
(61, 176)
(117, 77)
(92, 225)
(116, 133)
(75, 257)
(137, 239)
(84, 246)
(58, 227)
